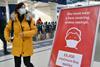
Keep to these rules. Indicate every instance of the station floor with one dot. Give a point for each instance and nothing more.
(40, 58)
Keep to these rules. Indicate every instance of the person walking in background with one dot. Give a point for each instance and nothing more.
(47, 30)
(2, 26)
(24, 30)
(39, 21)
(39, 24)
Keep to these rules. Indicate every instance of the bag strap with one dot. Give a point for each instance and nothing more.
(29, 22)
(12, 28)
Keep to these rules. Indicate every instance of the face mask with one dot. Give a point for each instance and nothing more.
(72, 43)
(22, 11)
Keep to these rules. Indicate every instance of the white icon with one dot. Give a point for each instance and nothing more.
(73, 37)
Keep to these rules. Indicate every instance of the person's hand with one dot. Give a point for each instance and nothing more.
(21, 34)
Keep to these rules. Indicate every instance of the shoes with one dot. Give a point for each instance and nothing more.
(6, 53)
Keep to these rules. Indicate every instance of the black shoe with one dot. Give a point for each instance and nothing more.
(6, 53)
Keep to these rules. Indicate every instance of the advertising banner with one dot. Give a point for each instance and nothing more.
(74, 42)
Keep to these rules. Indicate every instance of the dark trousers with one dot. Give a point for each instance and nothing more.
(5, 44)
(26, 61)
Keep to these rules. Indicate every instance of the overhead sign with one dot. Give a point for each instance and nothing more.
(69, 1)
(41, 0)
(75, 37)
(61, 1)
(44, 0)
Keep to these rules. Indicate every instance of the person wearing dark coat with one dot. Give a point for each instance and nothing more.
(2, 27)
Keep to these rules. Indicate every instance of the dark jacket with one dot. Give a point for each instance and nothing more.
(2, 27)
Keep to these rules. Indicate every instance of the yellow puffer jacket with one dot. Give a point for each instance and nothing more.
(21, 46)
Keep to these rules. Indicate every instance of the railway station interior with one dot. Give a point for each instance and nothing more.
(47, 12)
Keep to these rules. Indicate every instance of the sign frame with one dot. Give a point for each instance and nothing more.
(95, 36)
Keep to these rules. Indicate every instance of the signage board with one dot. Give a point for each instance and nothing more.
(74, 41)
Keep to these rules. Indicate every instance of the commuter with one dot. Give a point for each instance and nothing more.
(39, 21)
(50, 29)
(55, 23)
(47, 30)
(24, 30)
(44, 32)
(53, 29)
(40, 30)
(2, 26)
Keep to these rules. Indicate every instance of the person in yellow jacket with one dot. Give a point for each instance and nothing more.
(23, 33)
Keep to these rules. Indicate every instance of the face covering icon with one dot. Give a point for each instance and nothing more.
(73, 37)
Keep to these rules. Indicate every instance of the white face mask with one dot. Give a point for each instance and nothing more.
(72, 43)
(22, 11)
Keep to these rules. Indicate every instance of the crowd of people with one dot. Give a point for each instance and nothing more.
(45, 30)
